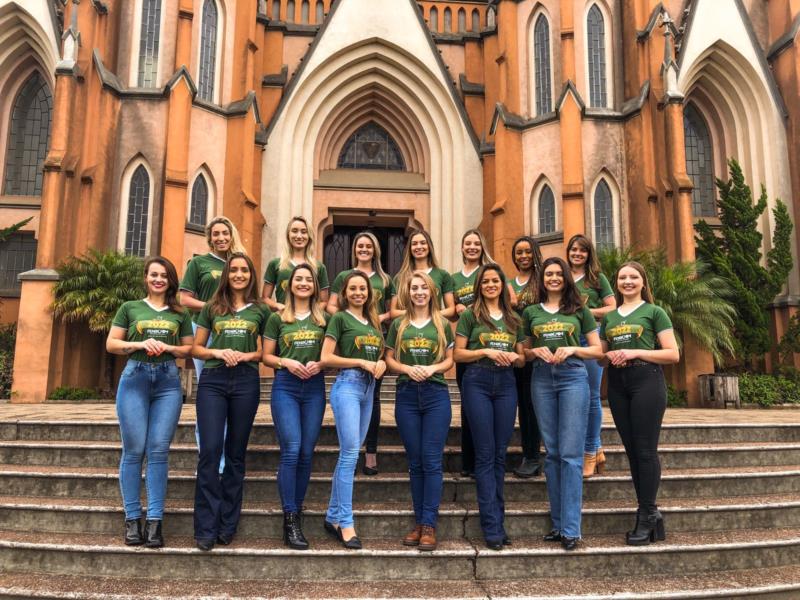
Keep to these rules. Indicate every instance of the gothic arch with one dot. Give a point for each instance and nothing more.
(211, 202)
(533, 225)
(539, 11)
(132, 170)
(608, 53)
(136, 39)
(605, 178)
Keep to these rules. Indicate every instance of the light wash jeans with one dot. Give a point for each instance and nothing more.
(351, 401)
(561, 402)
(198, 369)
(148, 407)
(595, 373)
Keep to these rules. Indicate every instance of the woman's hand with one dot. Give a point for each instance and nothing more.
(153, 347)
(380, 369)
(228, 356)
(621, 357)
(296, 368)
(563, 353)
(419, 373)
(544, 353)
(313, 368)
(460, 308)
(513, 357)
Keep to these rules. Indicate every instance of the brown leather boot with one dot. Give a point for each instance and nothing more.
(589, 465)
(412, 538)
(427, 538)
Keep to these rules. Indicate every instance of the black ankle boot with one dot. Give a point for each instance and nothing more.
(152, 534)
(649, 528)
(133, 532)
(292, 533)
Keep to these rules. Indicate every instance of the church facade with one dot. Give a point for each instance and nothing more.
(130, 124)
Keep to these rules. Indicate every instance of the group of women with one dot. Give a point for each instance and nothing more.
(534, 345)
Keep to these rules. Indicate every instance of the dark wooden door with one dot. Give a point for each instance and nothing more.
(339, 243)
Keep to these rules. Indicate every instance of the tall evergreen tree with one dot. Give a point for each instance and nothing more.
(734, 253)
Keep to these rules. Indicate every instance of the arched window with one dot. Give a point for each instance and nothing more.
(148, 43)
(491, 17)
(462, 20)
(371, 147)
(541, 61)
(476, 21)
(603, 215)
(699, 162)
(29, 137)
(276, 10)
(290, 11)
(208, 50)
(596, 45)
(304, 12)
(138, 209)
(320, 12)
(547, 210)
(448, 20)
(433, 20)
(198, 208)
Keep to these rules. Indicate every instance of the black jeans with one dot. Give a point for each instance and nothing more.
(528, 427)
(467, 445)
(371, 441)
(224, 394)
(637, 396)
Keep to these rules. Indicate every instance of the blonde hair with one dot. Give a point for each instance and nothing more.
(408, 266)
(308, 253)
(288, 314)
(236, 242)
(376, 256)
(370, 312)
(433, 307)
(486, 258)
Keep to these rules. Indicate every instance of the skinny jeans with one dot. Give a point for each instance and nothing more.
(371, 441)
(224, 394)
(148, 405)
(637, 396)
(528, 427)
(298, 406)
(467, 446)
(198, 370)
(422, 412)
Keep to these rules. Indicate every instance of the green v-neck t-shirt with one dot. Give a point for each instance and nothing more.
(239, 331)
(464, 287)
(355, 338)
(556, 330)
(441, 279)
(637, 331)
(202, 277)
(279, 278)
(300, 341)
(419, 346)
(379, 291)
(479, 336)
(594, 297)
(523, 301)
(143, 322)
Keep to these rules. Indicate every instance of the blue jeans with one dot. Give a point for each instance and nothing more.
(225, 394)
(198, 370)
(595, 372)
(298, 406)
(148, 407)
(351, 401)
(561, 401)
(490, 401)
(422, 412)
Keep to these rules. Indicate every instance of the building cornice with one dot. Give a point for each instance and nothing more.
(785, 41)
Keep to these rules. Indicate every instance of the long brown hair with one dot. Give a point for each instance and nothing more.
(433, 308)
(171, 295)
(289, 310)
(480, 309)
(647, 294)
(221, 302)
(376, 256)
(529, 292)
(592, 268)
(485, 258)
(371, 312)
(571, 301)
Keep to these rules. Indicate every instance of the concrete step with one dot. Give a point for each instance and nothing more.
(389, 520)
(782, 583)
(263, 432)
(608, 556)
(393, 458)
(95, 482)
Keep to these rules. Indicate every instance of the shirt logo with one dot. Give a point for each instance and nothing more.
(500, 340)
(215, 274)
(465, 292)
(304, 338)
(624, 332)
(419, 346)
(553, 330)
(157, 327)
(235, 327)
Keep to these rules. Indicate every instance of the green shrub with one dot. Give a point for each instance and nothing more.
(8, 335)
(676, 398)
(768, 390)
(72, 393)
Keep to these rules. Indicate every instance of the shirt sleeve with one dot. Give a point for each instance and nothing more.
(661, 320)
(322, 275)
(521, 335)
(448, 286)
(204, 319)
(603, 324)
(588, 324)
(334, 329)
(271, 274)
(273, 327)
(391, 289)
(526, 322)
(448, 334)
(391, 337)
(190, 277)
(336, 288)
(465, 324)
(605, 287)
(186, 325)
(121, 319)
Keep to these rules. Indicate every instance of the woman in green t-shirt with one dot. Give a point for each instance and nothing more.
(365, 256)
(229, 390)
(419, 348)
(419, 255)
(354, 345)
(598, 296)
(638, 338)
(293, 346)
(560, 390)
(489, 340)
(298, 249)
(153, 332)
(528, 260)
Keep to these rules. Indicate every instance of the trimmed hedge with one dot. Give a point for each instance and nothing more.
(768, 390)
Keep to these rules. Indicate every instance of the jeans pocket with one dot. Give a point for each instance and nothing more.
(129, 370)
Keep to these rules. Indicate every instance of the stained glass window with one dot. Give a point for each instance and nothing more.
(699, 162)
(603, 216)
(462, 20)
(199, 204)
(208, 51)
(547, 211)
(596, 35)
(371, 147)
(541, 52)
(29, 138)
(433, 20)
(448, 20)
(138, 208)
(148, 43)
(17, 255)
(476, 21)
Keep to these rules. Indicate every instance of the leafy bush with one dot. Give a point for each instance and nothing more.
(676, 398)
(768, 390)
(8, 336)
(72, 393)
(790, 342)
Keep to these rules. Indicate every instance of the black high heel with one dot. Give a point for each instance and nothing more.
(292, 533)
(153, 538)
(133, 532)
(650, 528)
(352, 544)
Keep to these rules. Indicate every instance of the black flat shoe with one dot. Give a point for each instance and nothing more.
(553, 536)
(369, 470)
(225, 539)
(507, 541)
(133, 532)
(352, 544)
(569, 543)
(205, 545)
(153, 537)
(494, 544)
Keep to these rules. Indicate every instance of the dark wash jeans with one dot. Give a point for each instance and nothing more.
(224, 394)
(298, 406)
(637, 396)
(490, 401)
(467, 447)
(422, 412)
(528, 427)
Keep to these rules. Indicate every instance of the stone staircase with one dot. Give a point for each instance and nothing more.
(730, 496)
